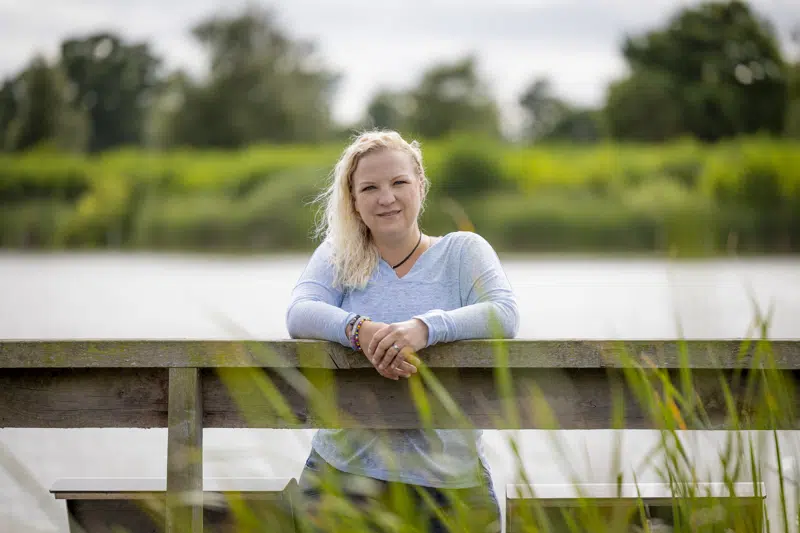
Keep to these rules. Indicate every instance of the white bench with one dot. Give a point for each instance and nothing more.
(618, 502)
(136, 505)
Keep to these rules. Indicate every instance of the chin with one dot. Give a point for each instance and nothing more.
(391, 230)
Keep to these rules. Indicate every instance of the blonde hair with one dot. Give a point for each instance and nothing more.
(355, 255)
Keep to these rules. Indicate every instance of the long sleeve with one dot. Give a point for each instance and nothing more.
(489, 306)
(314, 311)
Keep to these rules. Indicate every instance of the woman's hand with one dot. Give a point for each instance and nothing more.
(393, 344)
(403, 366)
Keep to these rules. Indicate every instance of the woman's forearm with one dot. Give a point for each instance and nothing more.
(311, 319)
(483, 320)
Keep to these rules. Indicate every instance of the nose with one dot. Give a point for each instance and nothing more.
(386, 196)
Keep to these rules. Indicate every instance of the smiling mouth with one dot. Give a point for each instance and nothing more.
(389, 213)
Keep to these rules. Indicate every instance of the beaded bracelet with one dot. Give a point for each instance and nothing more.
(356, 329)
(352, 325)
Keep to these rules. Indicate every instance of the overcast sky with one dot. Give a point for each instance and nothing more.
(386, 43)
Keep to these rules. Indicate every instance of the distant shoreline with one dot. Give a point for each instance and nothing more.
(655, 255)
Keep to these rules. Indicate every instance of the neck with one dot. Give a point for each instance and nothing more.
(395, 250)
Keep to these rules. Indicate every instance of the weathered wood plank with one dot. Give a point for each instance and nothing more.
(184, 497)
(317, 354)
(223, 511)
(609, 491)
(308, 398)
(65, 398)
(545, 505)
(126, 486)
(164, 354)
(577, 399)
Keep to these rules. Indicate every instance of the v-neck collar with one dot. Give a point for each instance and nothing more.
(383, 262)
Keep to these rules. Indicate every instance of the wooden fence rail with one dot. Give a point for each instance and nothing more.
(190, 385)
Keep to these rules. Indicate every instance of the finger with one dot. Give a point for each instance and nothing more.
(382, 350)
(393, 350)
(389, 374)
(405, 355)
(405, 369)
(376, 338)
(398, 369)
(372, 352)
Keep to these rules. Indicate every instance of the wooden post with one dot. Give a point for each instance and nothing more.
(184, 452)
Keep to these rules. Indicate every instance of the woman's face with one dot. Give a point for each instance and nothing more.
(387, 193)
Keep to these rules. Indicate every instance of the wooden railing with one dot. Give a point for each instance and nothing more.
(190, 385)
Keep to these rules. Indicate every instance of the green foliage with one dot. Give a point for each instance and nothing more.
(470, 167)
(8, 109)
(105, 93)
(793, 119)
(604, 197)
(542, 109)
(263, 87)
(42, 174)
(644, 107)
(36, 112)
(102, 216)
(792, 125)
(389, 110)
(193, 221)
(763, 178)
(578, 125)
(111, 82)
(715, 71)
(279, 214)
(549, 118)
(450, 99)
(34, 224)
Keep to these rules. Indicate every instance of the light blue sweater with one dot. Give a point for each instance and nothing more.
(459, 289)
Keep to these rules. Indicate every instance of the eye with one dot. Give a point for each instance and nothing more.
(367, 188)
(400, 182)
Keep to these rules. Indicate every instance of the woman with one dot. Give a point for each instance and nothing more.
(380, 286)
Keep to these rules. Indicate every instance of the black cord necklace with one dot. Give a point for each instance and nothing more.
(412, 252)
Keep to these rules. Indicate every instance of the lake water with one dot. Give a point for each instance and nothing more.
(147, 296)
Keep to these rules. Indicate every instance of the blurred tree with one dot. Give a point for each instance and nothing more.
(389, 110)
(579, 125)
(8, 108)
(717, 65)
(166, 103)
(73, 124)
(542, 109)
(548, 117)
(39, 112)
(39, 105)
(38, 101)
(113, 82)
(263, 86)
(451, 98)
(645, 107)
(793, 111)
